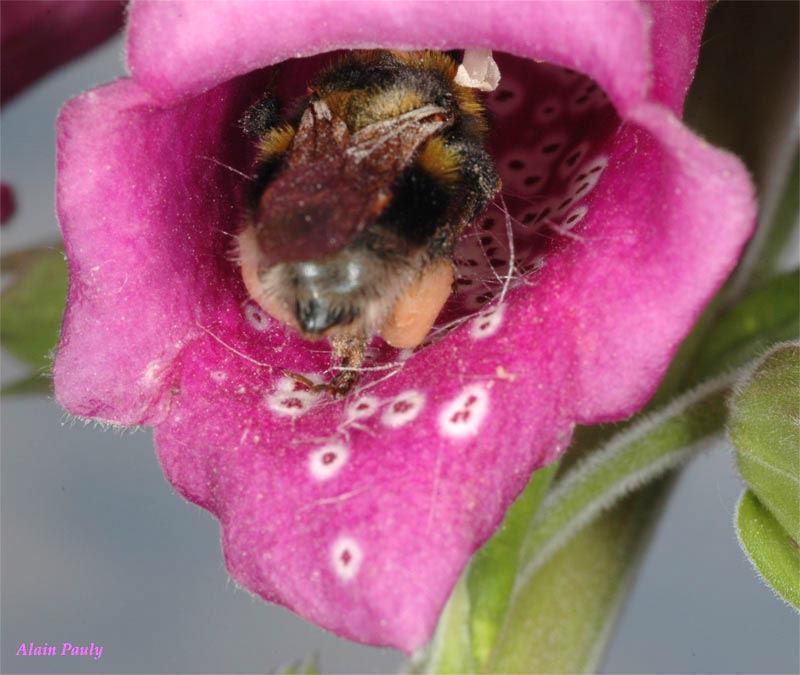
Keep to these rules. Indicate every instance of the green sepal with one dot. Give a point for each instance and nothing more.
(33, 304)
(561, 617)
(450, 651)
(765, 430)
(774, 554)
(306, 666)
(493, 569)
(36, 384)
(472, 617)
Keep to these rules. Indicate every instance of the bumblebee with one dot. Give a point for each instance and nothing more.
(359, 199)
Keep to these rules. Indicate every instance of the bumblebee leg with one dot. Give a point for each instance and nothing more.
(349, 351)
(479, 178)
(260, 117)
(302, 379)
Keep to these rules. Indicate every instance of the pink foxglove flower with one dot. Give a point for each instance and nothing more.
(360, 514)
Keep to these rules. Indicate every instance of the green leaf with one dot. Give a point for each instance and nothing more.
(493, 569)
(33, 304)
(774, 554)
(765, 430)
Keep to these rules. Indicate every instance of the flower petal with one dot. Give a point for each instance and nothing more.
(677, 26)
(177, 49)
(143, 209)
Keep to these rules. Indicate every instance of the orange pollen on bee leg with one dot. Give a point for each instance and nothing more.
(250, 258)
(416, 310)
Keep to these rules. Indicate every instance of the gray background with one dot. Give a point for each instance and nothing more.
(96, 546)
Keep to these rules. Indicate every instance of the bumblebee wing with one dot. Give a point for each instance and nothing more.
(335, 183)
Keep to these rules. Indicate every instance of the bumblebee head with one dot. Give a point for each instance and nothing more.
(349, 293)
(328, 295)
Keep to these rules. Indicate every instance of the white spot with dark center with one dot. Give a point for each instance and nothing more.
(363, 407)
(487, 323)
(551, 146)
(218, 375)
(489, 222)
(528, 216)
(476, 300)
(256, 316)
(583, 97)
(514, 162)
(573, 218)
(562, 204)
(403, 408)
(346, 557)
(292, 398)
(596, 166)
(463, 416)
(531, 175)
(290, 404)
(505, 100)
(547, 210)
(548, 110)
(587, 177)
(572, 159)
(325, 462)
